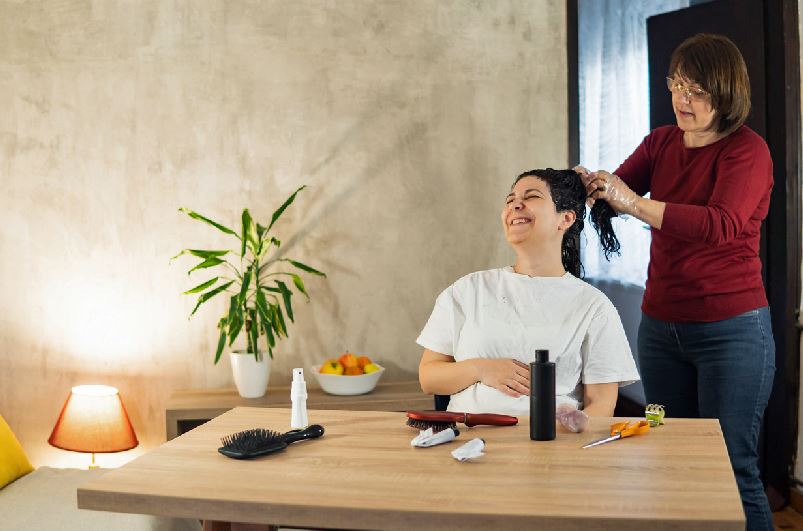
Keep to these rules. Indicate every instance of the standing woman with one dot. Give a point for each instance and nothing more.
(705, 340)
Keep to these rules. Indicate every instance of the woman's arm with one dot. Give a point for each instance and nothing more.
(599, 400)
(442, 375)
(609, 187)
(742, 183)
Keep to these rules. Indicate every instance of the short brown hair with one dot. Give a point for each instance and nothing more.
(716, 64)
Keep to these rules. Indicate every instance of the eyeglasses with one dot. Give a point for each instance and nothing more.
(693, 93)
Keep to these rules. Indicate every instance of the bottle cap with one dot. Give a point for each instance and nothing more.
(542, 356)
(298, 375)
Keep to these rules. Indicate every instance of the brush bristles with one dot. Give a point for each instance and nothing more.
(425, 424)
(251, 440)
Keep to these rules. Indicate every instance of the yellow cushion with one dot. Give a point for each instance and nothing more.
(13, 461)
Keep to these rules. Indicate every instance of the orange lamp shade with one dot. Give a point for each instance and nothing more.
(93, 419)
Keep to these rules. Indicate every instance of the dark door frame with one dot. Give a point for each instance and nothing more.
(783, 223)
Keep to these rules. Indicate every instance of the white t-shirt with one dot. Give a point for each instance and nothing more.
(503, 314)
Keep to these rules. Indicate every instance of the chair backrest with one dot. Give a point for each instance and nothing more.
(442, 402)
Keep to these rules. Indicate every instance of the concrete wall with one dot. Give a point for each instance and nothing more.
(408, 121)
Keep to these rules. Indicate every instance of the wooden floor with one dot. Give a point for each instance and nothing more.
(788, 518)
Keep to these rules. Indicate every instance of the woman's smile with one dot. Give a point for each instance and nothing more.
(520, 220)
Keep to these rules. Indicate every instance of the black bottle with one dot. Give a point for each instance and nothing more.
(542, 397)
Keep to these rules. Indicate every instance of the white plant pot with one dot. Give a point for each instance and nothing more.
(250, 376)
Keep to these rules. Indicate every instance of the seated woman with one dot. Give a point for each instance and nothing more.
(485, 328)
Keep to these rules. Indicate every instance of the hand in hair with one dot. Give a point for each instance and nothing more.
(582, 171)
(585, 178)
(611, 188)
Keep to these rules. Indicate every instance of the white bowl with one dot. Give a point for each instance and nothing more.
(340, 384)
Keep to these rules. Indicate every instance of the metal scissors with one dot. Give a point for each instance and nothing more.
(621, 430)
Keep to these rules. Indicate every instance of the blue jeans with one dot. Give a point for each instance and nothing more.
(718, 370)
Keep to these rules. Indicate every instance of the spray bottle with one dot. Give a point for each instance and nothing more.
(298, 397)
(542, 397)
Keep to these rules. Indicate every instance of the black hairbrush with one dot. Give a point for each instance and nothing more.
(260, 441)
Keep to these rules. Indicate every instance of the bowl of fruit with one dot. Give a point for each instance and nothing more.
(348, 375)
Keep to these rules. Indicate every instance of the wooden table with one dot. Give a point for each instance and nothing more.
(363, 474)
(189, 408)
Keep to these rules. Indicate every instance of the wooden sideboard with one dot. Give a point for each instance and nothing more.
(189, 408)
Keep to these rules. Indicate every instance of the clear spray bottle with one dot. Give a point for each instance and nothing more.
(298, 397)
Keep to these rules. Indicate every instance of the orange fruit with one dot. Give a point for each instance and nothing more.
(331, 367)
(353, 371)
(348, 360)
(362, 361)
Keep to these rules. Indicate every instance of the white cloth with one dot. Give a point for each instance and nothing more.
(502, 314)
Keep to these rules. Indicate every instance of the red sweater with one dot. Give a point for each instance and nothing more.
(704, 263)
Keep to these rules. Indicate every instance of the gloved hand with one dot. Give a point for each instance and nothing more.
(586, 178)
(571, 418)
(611, 188)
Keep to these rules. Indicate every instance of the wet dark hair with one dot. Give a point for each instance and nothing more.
(716, 64)
(568, 193)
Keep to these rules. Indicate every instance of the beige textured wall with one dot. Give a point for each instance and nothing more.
(407, 119)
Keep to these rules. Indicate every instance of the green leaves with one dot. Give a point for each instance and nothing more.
(249, 235)
(218, 226)
(244, 288)
(235, 319)
(201, 253)
(202, 286)
(303, 267)
(299, 284)
(253, 333)
(279, 211)
(209, 262)
(257, 304)
(221, 342)
(278, 320)
(286, 294)
(209, 294)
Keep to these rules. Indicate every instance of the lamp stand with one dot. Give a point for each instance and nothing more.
(93, 465)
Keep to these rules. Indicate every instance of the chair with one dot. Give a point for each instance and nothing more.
(442, 402)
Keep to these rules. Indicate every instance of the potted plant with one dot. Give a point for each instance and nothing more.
(259, 294)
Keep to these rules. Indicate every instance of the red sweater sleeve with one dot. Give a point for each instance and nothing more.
(742, 177)
(635, 170)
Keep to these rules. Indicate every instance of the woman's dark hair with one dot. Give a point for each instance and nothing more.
(716, 64)
(568, 193)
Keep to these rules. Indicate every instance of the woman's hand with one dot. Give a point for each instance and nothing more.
(509, 376)
(611, 188)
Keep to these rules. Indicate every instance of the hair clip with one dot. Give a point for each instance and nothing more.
(654, 413)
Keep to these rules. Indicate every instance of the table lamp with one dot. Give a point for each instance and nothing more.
(94, 420)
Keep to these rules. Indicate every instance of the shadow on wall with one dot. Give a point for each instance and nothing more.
(627, 299)
(335, 195)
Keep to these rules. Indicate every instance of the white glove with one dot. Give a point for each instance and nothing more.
(586, 178)
(571, 418)
(611, 188)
